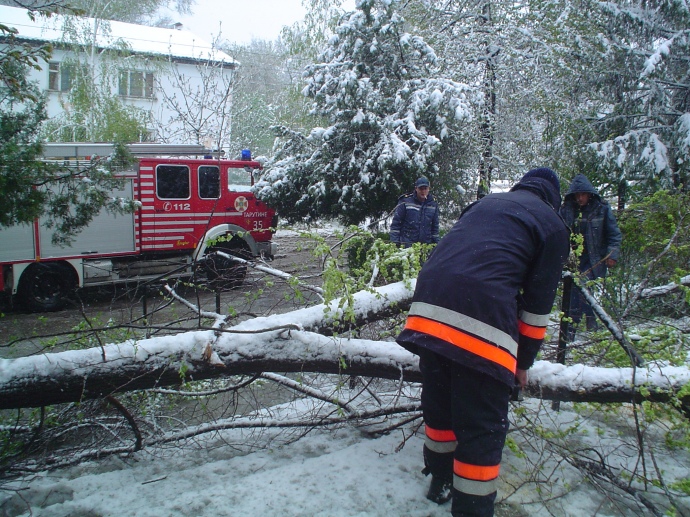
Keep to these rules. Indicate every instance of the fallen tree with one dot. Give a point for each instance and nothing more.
(285, 343)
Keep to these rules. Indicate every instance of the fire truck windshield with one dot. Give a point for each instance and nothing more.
(239, 180)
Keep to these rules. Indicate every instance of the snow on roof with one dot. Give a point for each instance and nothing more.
(140, 39)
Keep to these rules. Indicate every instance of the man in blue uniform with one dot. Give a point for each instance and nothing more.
(478, 318)
(587, 214)
(416, 217)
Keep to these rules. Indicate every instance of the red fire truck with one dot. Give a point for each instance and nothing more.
(191, 205)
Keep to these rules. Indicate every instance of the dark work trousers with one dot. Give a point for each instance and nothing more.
(578, 304)
(475, 407)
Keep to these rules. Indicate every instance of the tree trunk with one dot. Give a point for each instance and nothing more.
(487, 127)
(280, 343)
(167, 361)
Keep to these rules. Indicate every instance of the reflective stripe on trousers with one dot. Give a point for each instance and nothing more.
(475, 479)
(442, 442)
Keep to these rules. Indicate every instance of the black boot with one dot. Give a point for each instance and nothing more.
(466, 505)
(592, 324)
(570, 335)
(440, 466)
(440, 489)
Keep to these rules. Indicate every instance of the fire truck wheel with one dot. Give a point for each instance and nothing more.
(44, 287)
(224, 273)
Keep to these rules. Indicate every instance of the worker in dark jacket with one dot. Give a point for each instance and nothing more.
(587, 214)
(478, 318)
(415, 219)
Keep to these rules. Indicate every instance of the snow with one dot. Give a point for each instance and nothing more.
(267, 466)
(586, 378)
(140, 39)
(663, 50)
(337, 472)
(684, 135)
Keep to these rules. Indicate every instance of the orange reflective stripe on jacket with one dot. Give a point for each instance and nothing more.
(531, 331)
(469, 343)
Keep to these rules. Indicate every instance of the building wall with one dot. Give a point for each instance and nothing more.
(168, 88)
(191, 79)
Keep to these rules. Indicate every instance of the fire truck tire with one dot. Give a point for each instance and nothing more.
(224, 273)
(44, 287)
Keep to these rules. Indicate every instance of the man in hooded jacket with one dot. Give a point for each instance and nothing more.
(478, 318)
(587, 214)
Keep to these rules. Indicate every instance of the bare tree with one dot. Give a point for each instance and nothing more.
(201, 108)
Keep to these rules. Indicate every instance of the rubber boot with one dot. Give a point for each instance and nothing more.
(570, 336)
(440, 489)
(572, 329)
(440, 466)
(592, 324)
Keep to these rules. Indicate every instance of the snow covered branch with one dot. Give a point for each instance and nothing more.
(74, 376)
(287, 343)
(579, 383)
(256, 345)
(662, 290)
(271, 271)
(615, 330)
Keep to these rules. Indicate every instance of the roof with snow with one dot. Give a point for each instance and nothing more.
(181, 45)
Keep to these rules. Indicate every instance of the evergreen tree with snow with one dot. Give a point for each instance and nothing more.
(387, 116)
(624, 68)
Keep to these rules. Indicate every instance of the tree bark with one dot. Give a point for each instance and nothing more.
(273, 344)
(75, 376)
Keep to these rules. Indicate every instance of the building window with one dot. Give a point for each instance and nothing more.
(60, 77)
(136, 84)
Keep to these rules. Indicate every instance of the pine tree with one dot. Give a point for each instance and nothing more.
(387, 115)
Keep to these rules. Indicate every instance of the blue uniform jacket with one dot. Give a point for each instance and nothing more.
(414, 221)
(484, 296)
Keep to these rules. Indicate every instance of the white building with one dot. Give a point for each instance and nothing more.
(182, 81)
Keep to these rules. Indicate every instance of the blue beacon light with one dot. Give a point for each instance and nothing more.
(246, 154)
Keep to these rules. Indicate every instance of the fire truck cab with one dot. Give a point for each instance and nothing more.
(191, 204)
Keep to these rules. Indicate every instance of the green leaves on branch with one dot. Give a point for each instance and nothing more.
(361, 261)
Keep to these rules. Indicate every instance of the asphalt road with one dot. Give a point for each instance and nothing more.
(150, 312)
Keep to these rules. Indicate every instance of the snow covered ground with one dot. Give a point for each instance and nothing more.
(342, 472)
(576, 462)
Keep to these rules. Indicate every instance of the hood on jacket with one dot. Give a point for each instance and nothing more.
(580, 183)
(543, 185)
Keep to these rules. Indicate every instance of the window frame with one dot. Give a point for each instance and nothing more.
(59, 76)
(136, 84)
(208, 169)
(160, 169)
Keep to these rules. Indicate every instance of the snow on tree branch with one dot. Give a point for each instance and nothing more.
(250, 347)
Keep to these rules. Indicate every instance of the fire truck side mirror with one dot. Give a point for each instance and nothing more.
(250, 171)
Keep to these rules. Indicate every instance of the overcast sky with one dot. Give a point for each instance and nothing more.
(240, 20)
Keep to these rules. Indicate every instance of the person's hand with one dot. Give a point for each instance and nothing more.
(521, 377)
(610, 262)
